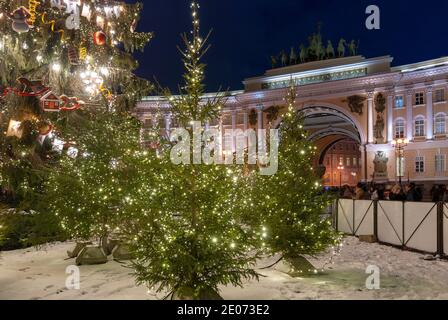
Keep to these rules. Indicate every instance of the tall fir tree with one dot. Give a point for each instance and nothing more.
(290, 204)
(188, 238)
(66, 76)
(60, 60)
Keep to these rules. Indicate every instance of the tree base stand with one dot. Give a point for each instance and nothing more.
(187, 294)
(91, 256)
(121, 252)
(296, 267)
(78, 248)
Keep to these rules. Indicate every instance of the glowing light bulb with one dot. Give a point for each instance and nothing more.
(56, 67)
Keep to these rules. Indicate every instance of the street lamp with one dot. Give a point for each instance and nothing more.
(400, 145)
(340, 168)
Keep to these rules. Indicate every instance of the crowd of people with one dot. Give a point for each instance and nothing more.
(409, 192)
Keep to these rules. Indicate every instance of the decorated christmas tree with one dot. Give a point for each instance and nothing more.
(60, 60)
(290, 204)
(187, 237)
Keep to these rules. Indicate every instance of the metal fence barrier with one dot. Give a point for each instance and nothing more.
(416, 226)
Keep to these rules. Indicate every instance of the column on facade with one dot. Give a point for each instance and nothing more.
(260, 116)
(390, 117)
(168, 124)
(409, 116)
(221, 136)
(234, 116)
(370, 119)
(429, 114)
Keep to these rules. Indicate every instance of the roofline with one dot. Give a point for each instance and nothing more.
(421, 65)
(205, 96)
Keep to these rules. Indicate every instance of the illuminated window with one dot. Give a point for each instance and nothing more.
(420, 127)
(440, 163)
(419, 164)
(399, 102)
(399, 129)
(440, 124)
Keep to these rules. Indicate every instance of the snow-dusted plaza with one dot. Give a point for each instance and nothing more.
(40, 274)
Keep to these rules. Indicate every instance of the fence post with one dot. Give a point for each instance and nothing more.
(354, 219)
(403, 241)
(375, 219)
(337, 215)
(440, 248)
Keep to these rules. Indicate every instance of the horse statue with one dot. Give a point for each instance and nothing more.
(341, 48)
(330, 50)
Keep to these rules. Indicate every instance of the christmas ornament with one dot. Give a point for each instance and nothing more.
(25, 88)
(73, 56)
(86, 12)
(33, 4)
(14, 129)
(50, 102)
(70, 103)
(19, 20)
(99, 38)
(74, 20)
(52, 25)
(82, 53)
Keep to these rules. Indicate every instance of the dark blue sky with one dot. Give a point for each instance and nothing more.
(247, 32)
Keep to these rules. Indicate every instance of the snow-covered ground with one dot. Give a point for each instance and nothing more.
(31, 274)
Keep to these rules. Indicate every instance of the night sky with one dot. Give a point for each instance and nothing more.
(247, 32)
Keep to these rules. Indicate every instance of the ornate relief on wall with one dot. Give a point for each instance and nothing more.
(272, 113)
(380, 107)
(356, 104)
(380, 163)
(253, 117)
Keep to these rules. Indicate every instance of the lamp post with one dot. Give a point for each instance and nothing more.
(340, 168)
(400, 145)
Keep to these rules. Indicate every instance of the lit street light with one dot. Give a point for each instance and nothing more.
(340, 168)
(399, 146)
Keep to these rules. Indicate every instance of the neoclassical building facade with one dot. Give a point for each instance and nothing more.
(365, 101)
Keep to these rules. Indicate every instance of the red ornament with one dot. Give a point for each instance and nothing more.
(99, 38)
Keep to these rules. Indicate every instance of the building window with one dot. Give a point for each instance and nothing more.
(348, 162)
(440, 124)
(399, 129)
(439, 95)
(419, 98)
(419, 164)
(399, 102)
(355, 162)
(341, 161)
(440, 163)
(420, 127)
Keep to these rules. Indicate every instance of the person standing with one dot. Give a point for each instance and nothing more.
(359, 192)
(411, 193)
(396, 194)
